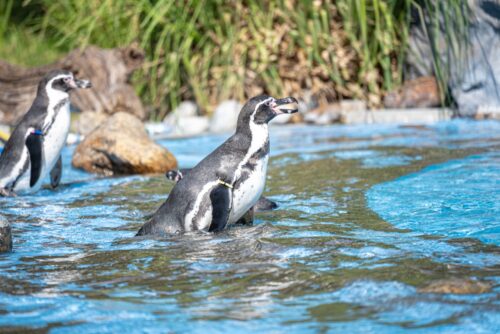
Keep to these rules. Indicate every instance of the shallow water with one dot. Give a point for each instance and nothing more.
(368, 215)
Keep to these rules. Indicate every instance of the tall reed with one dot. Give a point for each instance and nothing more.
(209, 50)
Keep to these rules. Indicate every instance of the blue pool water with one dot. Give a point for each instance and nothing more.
(369, 216)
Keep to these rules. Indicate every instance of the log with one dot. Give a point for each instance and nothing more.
(108, 69)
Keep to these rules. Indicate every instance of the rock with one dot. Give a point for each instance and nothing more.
(121, 146)
(398, 116)
(457, 286)
(88, 121)
(296, 118)
(352, 106)
(73, 138)
(324, 114)
(185, 109)
(5, 236)
(472, 64)
(487, 112)
(189, 126)
(108, 69)
(184, 121)
(422, 92)
(155, 129)
(225, 116)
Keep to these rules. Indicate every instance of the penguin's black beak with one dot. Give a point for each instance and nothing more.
(83, 83)
(73, 83)
(287, 105)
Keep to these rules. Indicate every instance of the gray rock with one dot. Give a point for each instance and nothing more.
(5, 235)
(474, 73)
(185, 109)
(225, 116)
(184, 121)
(189, 126)
(323, 115)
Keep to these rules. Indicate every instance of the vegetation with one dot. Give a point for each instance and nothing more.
(209, 50)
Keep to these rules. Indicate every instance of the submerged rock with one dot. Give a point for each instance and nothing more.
(5, 236)
(457, 286)
(121, 146)
(225, 116)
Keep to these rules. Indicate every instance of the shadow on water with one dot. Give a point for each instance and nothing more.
(324, 261)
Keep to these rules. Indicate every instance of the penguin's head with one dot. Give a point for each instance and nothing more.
(64, 81)
(262, 109)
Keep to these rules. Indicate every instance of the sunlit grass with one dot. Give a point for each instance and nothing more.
(209, 50)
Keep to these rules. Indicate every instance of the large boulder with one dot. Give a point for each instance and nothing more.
(5, 236)
(471, 60)
(121, 146)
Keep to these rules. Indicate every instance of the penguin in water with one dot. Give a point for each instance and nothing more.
(263, 204)
(34, 148)
(228, 182)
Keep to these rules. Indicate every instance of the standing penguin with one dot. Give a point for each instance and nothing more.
(34, 148)
(229, 181)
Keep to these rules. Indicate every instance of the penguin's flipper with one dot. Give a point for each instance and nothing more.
(34, 142)
(56, 173)
(221, 198)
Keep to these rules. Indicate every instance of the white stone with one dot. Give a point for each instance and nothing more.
(415, 116)
(190, 126)
(225, 116)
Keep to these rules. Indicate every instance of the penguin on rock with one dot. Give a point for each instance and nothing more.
(226, 184)
(34, 148)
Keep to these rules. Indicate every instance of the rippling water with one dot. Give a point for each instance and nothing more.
(368, 215)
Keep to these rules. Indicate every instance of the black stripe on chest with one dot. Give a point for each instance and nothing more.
(57, 108)
(251, 164)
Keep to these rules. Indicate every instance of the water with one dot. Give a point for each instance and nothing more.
(368, 216)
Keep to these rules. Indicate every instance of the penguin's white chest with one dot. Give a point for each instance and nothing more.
(55, 137)
(249, 190)
(55, 133)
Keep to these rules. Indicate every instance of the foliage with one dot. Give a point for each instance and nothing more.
(209, 50)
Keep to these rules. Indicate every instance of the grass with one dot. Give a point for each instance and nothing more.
(210, 50)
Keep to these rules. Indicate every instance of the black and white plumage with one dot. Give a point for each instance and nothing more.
(228, 182)
(34, 148)
(263, 204)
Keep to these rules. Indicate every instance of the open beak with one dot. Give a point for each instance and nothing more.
(75, 83)
(287, 105)
(83, 83)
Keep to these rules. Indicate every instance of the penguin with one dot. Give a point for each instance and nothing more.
(263, 204)
(227, 183)
(34, 148)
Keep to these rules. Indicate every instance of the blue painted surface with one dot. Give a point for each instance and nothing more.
(323, 262)
(459, 198)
